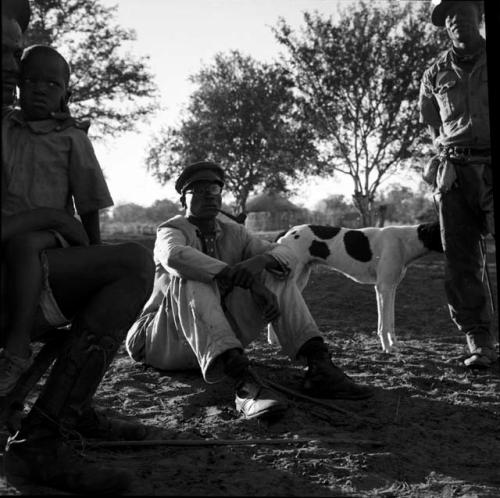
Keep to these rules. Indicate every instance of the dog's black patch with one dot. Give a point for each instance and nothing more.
(357, 245)
(296, 236)
(324, 232)
(430, 235)
(319, 249)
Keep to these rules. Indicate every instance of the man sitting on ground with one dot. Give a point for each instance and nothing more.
(216, 287)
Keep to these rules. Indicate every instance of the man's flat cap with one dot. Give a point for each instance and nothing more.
(440, 9)
(18, 10)
(203, 170)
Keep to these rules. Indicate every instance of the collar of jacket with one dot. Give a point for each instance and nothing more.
(191, 231)
(47, 125)
(446, 60)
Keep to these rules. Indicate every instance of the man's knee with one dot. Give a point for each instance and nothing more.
(20, 245)
(135, 342)
(137, 262)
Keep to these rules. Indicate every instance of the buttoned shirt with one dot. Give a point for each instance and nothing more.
(49, 163)
(178, 250)
(456, 102)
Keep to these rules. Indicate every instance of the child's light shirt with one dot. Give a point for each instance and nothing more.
(49, 163)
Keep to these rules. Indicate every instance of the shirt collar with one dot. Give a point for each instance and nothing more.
(46, 125)
(181, 222)
(448, 59)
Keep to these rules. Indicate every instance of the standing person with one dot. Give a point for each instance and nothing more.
(454, 106)
(216, 288)
(46, 162)
(100, 290)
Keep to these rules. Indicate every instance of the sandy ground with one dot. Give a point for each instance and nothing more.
(432, 428)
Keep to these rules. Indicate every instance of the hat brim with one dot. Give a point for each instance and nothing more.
(438, 15)
(205, 175)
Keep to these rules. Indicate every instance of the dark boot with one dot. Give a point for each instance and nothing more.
(96, 424)
(41, 456)
(325, 380)
(252, 398)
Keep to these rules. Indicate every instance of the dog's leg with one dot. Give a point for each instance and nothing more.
(381, 294)
(386, 294)
(389, 306)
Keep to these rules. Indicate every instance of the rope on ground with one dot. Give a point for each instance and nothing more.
(232, 442)
(316, 401)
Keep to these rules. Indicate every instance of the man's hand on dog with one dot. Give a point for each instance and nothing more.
(243, 274)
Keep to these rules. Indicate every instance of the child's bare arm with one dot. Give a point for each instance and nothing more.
(44, 219)
(90, 222)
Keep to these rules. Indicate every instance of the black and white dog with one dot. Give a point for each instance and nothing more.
(371, 255)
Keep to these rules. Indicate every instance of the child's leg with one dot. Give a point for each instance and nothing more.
(23, 287)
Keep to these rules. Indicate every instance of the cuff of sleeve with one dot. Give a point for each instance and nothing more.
(285, 257)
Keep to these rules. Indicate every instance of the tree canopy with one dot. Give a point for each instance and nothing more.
(109, 86)
(359, 82)
(243, 115)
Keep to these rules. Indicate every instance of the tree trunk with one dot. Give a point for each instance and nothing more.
(364, 204)
(381, 215)
(241, 202)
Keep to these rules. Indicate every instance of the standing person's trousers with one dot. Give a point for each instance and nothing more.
(466, 214)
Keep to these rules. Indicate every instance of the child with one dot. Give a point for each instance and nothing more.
(47, 162)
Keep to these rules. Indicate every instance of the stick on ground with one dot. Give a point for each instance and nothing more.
(231, 442)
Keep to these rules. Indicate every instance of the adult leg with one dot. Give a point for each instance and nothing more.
(465, 291)
(191, 328)
(104, 288)
(299, 337)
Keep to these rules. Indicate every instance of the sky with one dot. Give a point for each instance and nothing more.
(180, 36)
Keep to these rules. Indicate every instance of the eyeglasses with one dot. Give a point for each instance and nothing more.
(212, 189)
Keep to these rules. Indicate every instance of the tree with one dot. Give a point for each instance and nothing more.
(334, 207)
(129, 212)
(359, 80)
(108, 85)
(162, 210)
(243, 115)
(405, 205)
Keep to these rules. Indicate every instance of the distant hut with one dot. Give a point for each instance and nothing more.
(272, 211)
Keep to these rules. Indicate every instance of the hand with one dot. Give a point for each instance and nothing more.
(266, 301)
(71, 229)
(243, 274)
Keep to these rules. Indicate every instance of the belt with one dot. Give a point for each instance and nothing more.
(468, 151)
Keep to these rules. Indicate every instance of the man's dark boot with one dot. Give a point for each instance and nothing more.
(325, 380)
(252, 398)
(96, 424)
(39, 455)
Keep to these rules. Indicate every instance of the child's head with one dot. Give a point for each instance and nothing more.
(44, 82)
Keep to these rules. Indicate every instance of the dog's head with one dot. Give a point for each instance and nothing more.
(430, 235)
(281, 234)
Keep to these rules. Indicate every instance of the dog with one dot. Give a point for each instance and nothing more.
(378, 256)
